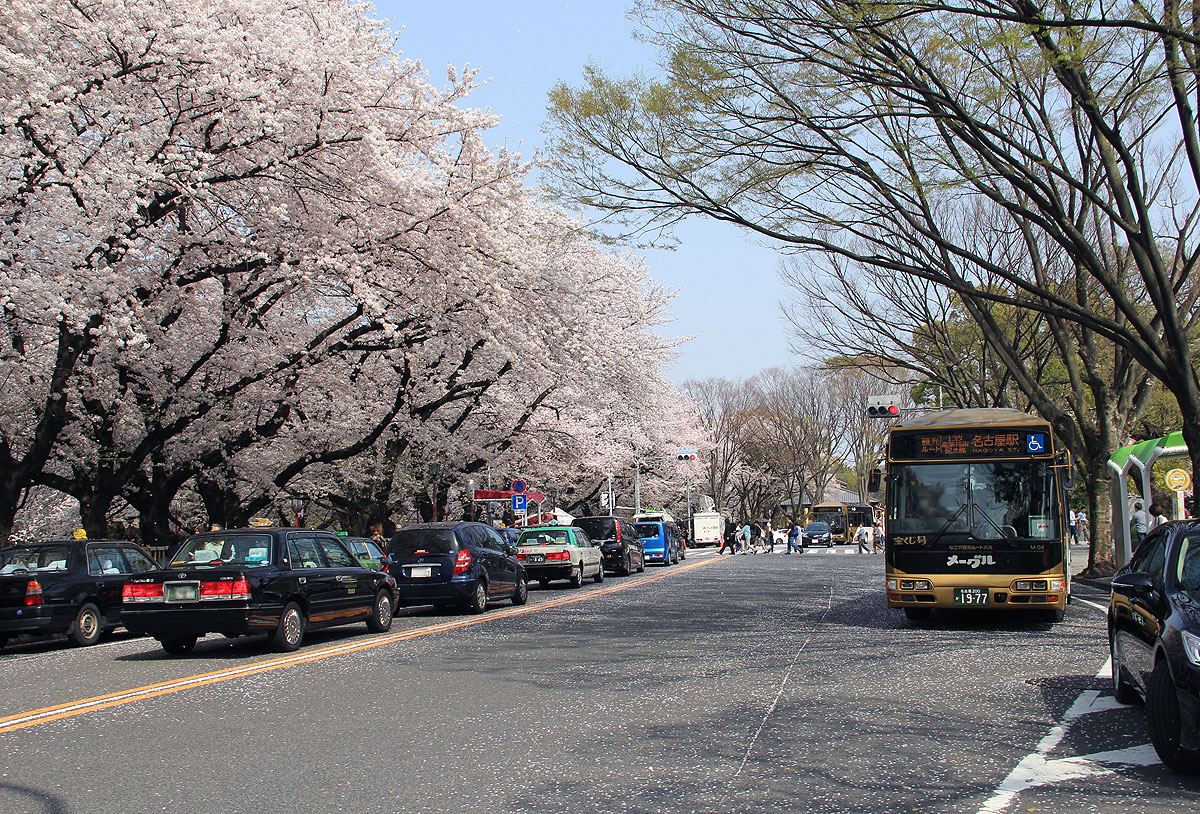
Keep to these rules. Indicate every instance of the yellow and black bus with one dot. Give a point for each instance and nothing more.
(844, 519)
(975, 504)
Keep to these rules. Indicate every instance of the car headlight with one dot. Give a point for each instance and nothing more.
(1191, 646)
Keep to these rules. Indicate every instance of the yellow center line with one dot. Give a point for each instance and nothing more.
(21, 720)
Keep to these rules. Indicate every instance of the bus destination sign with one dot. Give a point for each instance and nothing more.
(969, 443)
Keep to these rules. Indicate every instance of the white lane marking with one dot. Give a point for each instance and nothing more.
(1095, 605)
(779, 694)
(1035, 769)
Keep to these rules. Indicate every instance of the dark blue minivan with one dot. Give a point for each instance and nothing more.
(463, 564)
(660, 542)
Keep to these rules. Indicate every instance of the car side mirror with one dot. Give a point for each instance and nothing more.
(1135, 582)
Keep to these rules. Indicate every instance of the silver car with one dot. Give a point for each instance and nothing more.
(559, 552)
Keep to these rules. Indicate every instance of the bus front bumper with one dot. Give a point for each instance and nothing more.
(918, 592)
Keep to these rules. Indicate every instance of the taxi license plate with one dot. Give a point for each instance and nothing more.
(537, 557)
(181, 593)
(970, 596)
(420, 572)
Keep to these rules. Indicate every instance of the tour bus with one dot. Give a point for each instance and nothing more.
(844, 519)
(975, 502)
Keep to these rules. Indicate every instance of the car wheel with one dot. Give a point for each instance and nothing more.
(179, 646)
(599, 572)
(642, 562)
(521, 595)
(1123, 691)
(918, 614)
(577, 576)
(88, 625)
(543, 581)
(626, 566)
(290, 630)
(3, 641)
(1162, 718)
(380, 619)
(477, 603)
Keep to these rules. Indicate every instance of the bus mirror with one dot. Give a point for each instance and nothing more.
(874, 481)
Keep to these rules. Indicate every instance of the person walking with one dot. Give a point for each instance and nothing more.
(1157, 515)
(862, 536)
(755, 536)
(1073, 518)
(728, 540)
(743, 538)
(769, 532)
(793, 537)
(876, 537)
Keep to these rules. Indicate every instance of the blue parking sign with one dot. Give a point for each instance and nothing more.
(519, 502)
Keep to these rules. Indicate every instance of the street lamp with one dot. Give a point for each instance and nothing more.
(471, 499)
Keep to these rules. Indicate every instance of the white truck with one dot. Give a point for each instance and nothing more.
(708, 528)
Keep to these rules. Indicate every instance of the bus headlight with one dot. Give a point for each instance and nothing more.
(1058, 585)
(1191, 646)
(891, 584)
(914, 584)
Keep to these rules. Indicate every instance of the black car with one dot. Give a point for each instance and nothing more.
(66, 586)
(817, 533)
(466, 564)
(243, 582)
(619, 542)
(1154, 639)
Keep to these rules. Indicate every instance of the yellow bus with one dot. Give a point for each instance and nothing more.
(844, 519)
(975, 501)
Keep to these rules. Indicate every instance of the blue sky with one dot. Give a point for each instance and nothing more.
(729, 289)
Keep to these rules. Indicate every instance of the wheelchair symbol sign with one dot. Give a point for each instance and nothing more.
(1035, 442)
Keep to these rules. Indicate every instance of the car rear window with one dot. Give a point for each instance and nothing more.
(40, 558)
(407, 542)
(598, 528)
(545, 537)
(219, 550)
(648, 530)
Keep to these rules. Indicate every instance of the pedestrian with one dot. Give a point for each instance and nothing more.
(876, 537)
(377, 534)
(793, 538)
(1139, 523)
(755, 538)
(770, 535)
(744, 536)
(862, 536)
(728, 541)
(1073, 518)
(1157, 515)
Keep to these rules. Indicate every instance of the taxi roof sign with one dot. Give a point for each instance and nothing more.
(79, 534)
(260, 523)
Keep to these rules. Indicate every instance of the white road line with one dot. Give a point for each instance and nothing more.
(1035, 769)
(1095, 605)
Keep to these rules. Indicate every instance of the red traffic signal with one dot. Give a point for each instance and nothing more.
(691, 456)
(883, 406)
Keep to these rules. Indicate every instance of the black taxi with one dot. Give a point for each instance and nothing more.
(241, 582)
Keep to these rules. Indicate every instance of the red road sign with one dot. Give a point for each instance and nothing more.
(506, 495)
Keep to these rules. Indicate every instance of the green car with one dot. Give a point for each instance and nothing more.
(366, 550)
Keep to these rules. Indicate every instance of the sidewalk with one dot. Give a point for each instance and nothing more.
(1079, 561)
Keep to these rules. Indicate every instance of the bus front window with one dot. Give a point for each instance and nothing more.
(988, 501)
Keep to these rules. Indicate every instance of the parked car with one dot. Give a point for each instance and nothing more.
(66, 586)
(466, 564)
(559, 552)
(365, 551)
(619, 541)
(817, 533)
(660, 542)
(1154, 639)
(240, 582)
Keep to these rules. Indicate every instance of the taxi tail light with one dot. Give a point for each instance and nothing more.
(241, 589)
(521, 555)
(142, 592)
(226, 589)
(558, 555)
(33, 593)
(463, 561)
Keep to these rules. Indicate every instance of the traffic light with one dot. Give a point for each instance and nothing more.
(686, 456)
(883, 406)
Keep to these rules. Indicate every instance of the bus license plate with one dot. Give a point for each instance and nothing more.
(970, 596)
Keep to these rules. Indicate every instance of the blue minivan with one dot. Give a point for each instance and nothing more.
(464, 564)
(660, 541)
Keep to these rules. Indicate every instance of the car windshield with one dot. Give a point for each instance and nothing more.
(43, 559)
(647, 530)
(816, 528)
(219, 550)
(598, 528)
(407, 542)
(545, 537)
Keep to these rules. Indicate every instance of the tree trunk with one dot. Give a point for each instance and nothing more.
(93, 513)
(1099, 512)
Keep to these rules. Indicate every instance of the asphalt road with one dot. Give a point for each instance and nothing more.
(734, 684)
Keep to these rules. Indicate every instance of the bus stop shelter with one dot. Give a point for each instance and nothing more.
(1141, 457)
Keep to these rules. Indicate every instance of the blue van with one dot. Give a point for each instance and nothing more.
(659, 541)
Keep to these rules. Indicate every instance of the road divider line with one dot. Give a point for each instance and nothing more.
(22, 720)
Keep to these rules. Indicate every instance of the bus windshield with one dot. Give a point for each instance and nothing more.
(1006, 500)
(832, 517)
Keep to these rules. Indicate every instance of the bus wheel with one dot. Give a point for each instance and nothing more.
(1056, 616)
(918, 614)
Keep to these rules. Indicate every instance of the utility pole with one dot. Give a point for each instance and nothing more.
(637, 489)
